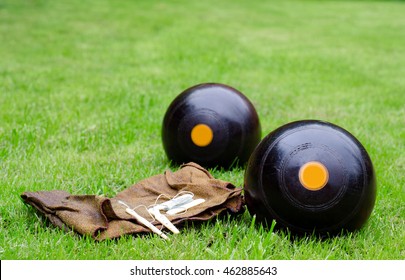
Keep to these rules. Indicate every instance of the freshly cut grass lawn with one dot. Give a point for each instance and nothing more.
(84, 85)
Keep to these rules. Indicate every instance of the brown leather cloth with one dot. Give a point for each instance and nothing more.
(103, 217)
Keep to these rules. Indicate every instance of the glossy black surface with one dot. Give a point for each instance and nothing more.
(273, 189)
(230, 115)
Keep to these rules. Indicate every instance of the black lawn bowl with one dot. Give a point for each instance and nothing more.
(210, 124)
(311, 177)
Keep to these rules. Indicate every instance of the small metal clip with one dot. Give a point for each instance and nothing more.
(184, 207)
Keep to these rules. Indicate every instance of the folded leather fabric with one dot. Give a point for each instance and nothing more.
(102, 217)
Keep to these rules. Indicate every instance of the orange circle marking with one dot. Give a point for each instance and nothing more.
(202, 135)
(313, 175)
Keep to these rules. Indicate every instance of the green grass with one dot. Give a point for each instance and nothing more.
(84, 86)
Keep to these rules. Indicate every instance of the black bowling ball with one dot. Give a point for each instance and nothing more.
(311, 177)
(210, 124)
